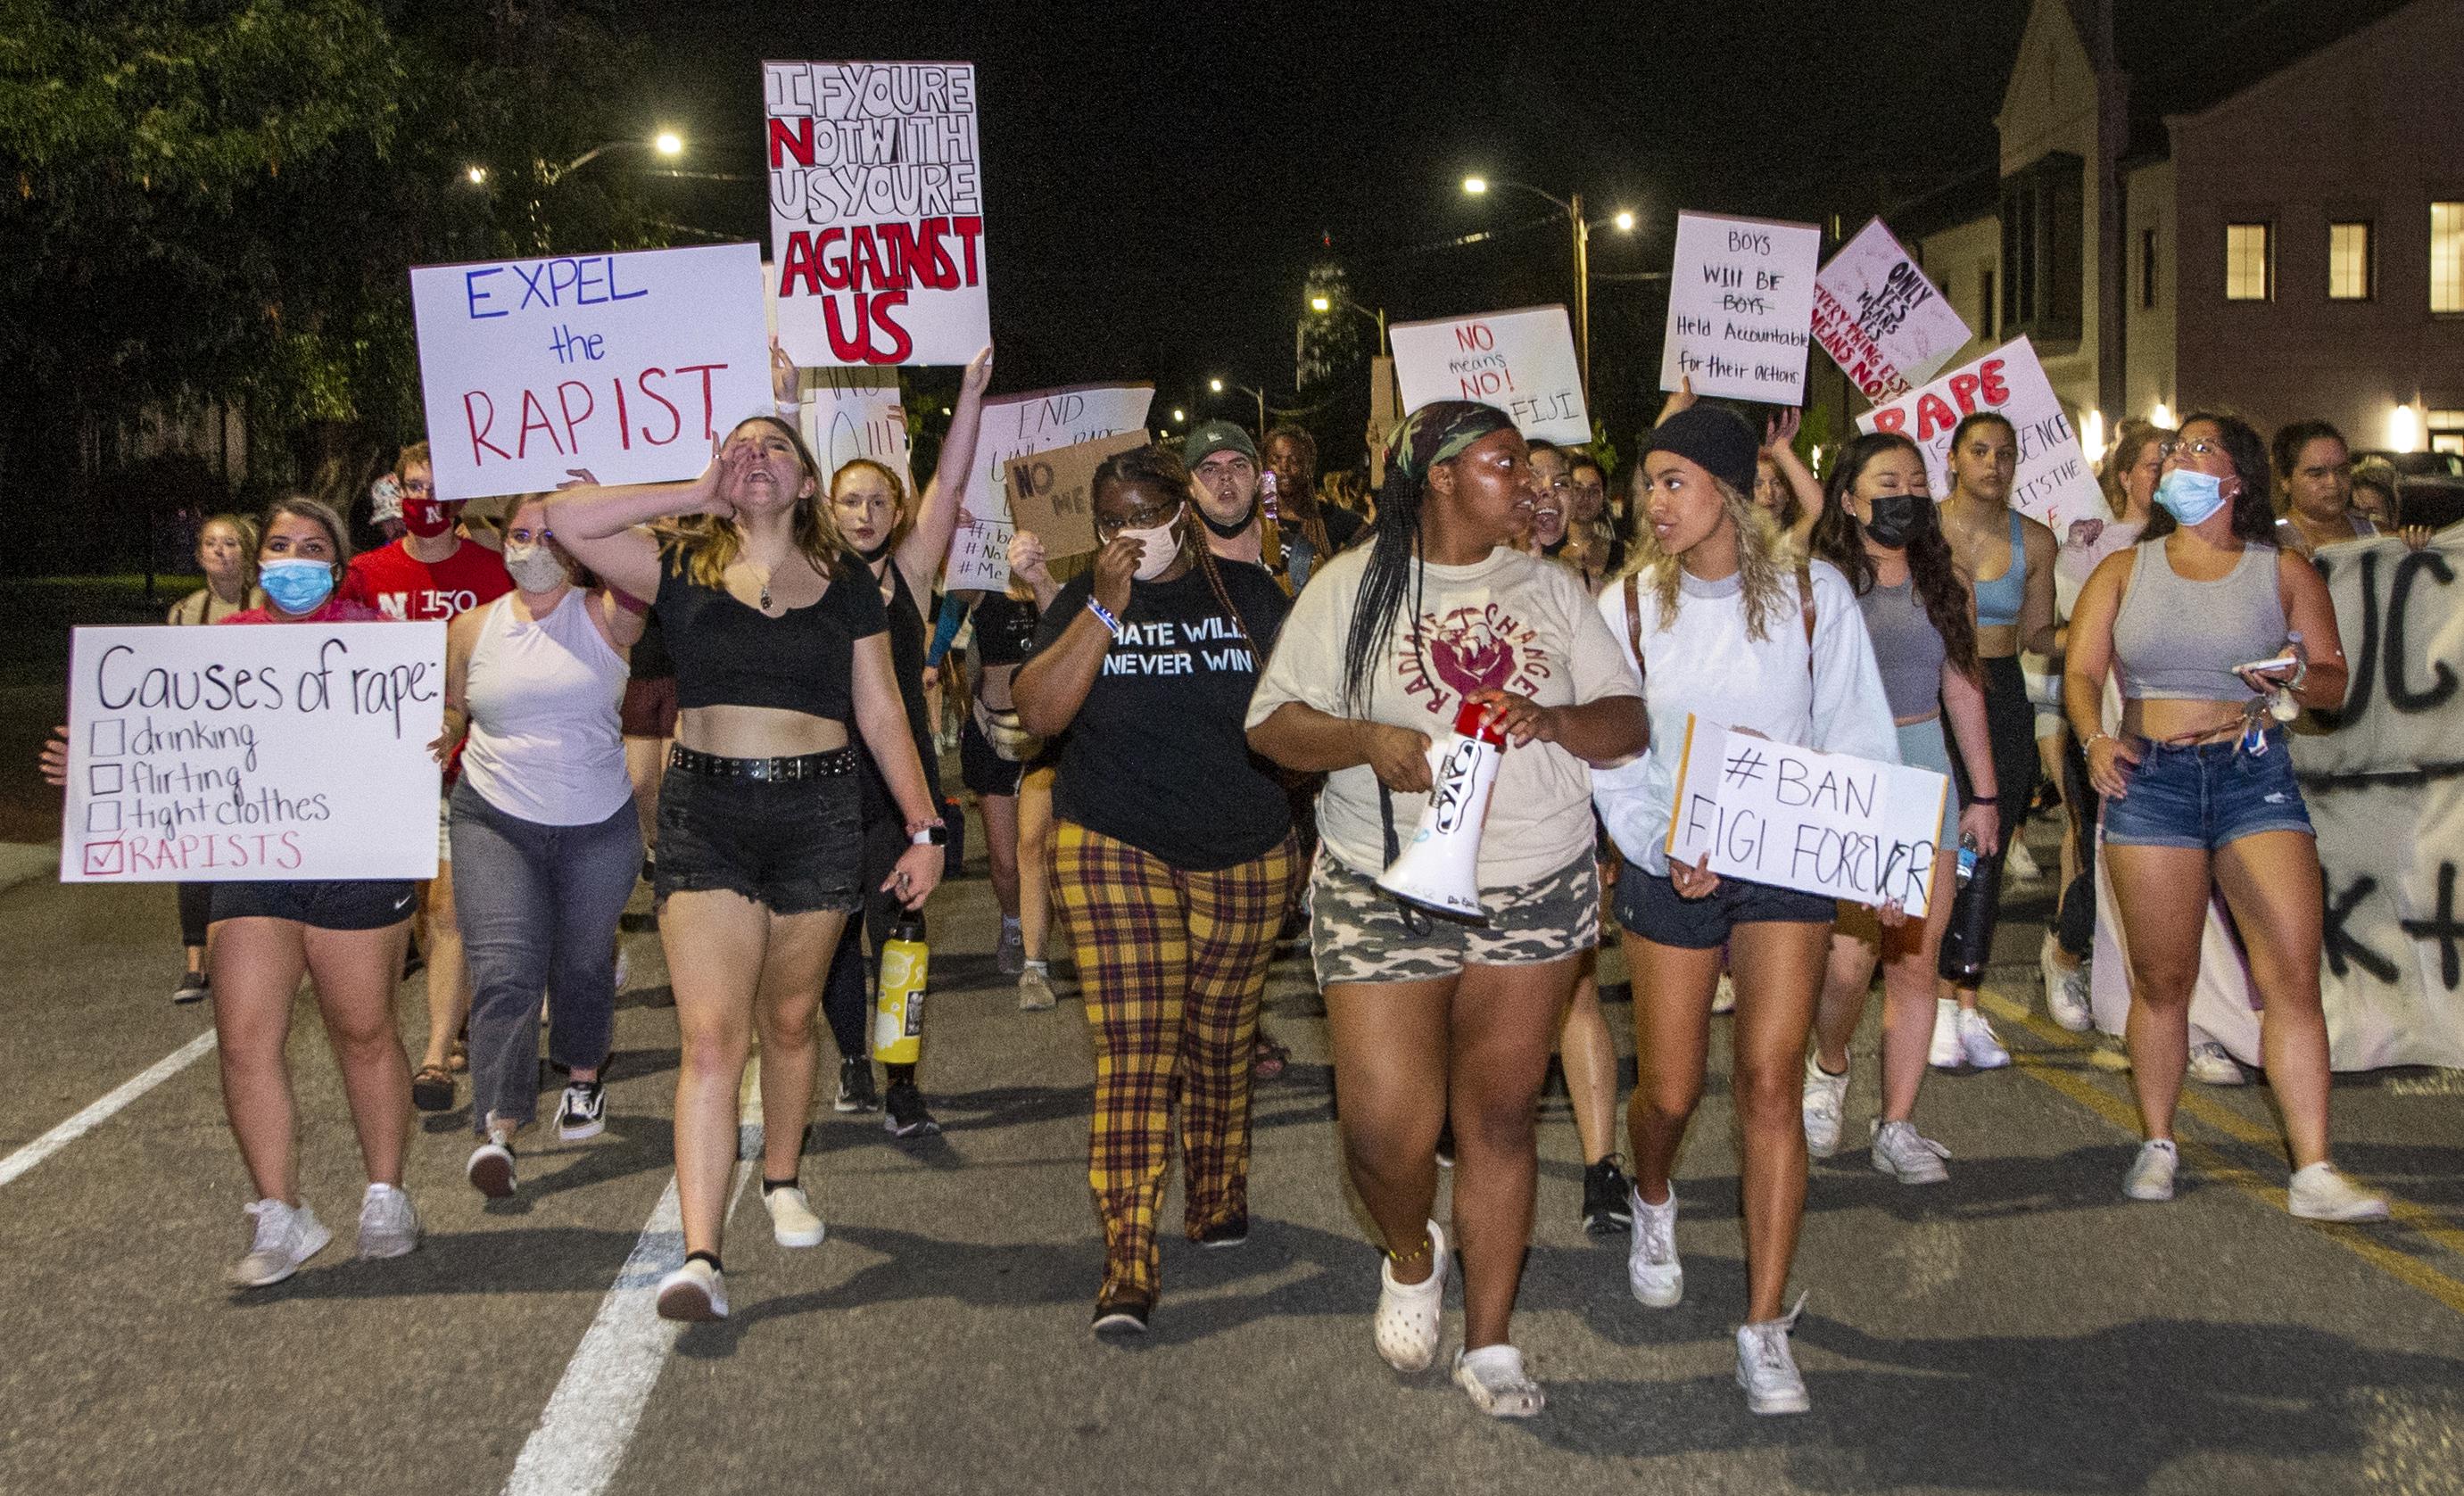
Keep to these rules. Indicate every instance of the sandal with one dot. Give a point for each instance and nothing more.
(460, 1059)
(1268, 1057)
(432, 1089)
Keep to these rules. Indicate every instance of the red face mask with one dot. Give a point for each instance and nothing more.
(426, 518)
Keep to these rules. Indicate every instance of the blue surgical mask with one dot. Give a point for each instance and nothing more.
(2189, 496)
(295, 583)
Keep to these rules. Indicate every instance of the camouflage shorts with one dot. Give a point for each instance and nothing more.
(1357, 933)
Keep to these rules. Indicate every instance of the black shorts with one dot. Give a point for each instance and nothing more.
(792, 845)
(320, 904)
(1650, 907)
(979, 768)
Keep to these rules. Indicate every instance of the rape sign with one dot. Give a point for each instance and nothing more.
(2054, 484)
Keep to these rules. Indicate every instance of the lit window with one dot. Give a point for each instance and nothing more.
(2348, 261)
(2446, 431)
(2246, 262)
(2447, 256)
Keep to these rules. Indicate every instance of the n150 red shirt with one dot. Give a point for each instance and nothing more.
(405, 589)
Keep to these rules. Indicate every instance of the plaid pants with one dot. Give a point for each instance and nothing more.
(1172, 965)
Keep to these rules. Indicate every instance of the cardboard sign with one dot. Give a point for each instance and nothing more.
(1822, 823)
(877, 211)
(1051, 494)
(1521, 361)
(2054, 484)
(279, 751)
(1740, 302)
(629, 366)
(1385, 412)
(1015, 426)
(1879, 319)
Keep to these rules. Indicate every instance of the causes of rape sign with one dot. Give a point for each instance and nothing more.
(1879, 319)
(285, 752)
(877, 211)
(629, 366)
(2054, 482)
(1521, 361)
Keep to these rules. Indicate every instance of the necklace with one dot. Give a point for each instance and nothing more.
(766, 594)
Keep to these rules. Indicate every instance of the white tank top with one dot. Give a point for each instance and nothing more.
(544, 745)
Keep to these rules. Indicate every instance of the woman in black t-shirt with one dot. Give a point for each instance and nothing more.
(1172, 857)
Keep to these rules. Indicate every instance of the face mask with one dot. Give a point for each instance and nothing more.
(426, 518)
(534, 568)
(1225, 532)
(2189, 496)
(1162, 548)
(295, 583)
(1894, 519)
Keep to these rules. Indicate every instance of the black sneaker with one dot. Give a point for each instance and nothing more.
(855, 1086)
(1605, 1190)
(907, 1117)
(1225, 1233)
(193, 987)
(1125, 1315)
(583, 1112)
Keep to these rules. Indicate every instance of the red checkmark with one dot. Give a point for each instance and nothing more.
(104, 859)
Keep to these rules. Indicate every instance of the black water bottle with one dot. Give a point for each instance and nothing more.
(1967, 945)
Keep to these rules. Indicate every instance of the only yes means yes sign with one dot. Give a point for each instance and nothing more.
(1521, 361)
(630, 365)
(1879, 319)
(2054, 484)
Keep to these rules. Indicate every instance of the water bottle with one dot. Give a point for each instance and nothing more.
(898, 1011)
(1967, 945)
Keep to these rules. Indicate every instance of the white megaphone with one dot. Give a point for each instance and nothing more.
(1439, 869)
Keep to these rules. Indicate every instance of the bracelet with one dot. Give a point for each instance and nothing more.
(1985, 800)
(789, 409)
(2092, 739)
(1112, 624)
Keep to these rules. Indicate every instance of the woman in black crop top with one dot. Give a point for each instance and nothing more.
(781, 653)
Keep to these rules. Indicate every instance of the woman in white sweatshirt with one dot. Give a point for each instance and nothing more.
(1724, 627)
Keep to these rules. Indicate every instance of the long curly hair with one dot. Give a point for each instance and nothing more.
(1159, 470)
(706, 545)
(1840, 539)
(1761, 558)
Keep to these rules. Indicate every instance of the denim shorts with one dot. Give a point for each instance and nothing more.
(1650, 906)
(2204, 795)
(793, 846)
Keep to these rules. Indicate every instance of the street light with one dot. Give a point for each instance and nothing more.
(1259, 395)
(668, 144)
(1572, 208)
(477, 175)
(1322, 303)
(1180, 417)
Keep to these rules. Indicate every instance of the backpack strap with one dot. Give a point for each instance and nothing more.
(1634, 620)
(1804, 611)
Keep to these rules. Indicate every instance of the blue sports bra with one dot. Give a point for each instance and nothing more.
(1997, 601)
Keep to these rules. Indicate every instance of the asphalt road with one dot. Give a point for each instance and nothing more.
(2022, 1328)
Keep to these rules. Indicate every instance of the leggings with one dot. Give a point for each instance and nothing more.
(2074, 924)
(2011, 732)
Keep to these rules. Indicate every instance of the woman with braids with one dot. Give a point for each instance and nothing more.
(1728, 626)
(783, 655)
(2199, 789)
(1172, 857)
(1431, 1017)
(1878, 527)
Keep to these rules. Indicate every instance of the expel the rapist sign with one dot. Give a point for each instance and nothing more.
(1740, 300)
(1521, 361)
(281, 752)
(629, 366)
(877, 211)
(1823, 822)
(2053, 483)
(1016, 426)
(1879, 319)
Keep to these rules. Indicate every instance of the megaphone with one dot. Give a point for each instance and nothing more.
(1439, 869)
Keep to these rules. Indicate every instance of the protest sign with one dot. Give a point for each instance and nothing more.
(629, 366)
(2053, 483)
(1015, 426)
(1879, 319)
(850, 414)
(1740, 300)
(1050, 492)
(284, 752)
(877, 211)
(1823, 822)
(1385, 411)
(1521, 361)
(2383, 783)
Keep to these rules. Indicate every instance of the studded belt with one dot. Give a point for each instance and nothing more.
(802, 766)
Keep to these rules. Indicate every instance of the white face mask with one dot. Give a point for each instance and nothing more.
(1162, 547)
(534, 568)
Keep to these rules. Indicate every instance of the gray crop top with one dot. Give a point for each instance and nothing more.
(2179, 640)
(1906, 647)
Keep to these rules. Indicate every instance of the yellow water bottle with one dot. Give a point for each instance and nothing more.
(898, 1012)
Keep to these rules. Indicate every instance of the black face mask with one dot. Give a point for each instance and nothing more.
(1895, 519)
(1225, 532)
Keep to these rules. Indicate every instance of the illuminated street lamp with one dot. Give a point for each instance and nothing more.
(1259, 395)
(476, 175)
(1322, 304)
(1572, 208)
(668, 144)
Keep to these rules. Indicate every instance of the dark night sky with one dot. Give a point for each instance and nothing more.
(1158, 177)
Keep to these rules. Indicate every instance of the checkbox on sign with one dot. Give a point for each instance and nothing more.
(105, 778)
(105, 860)
(107, 738)
(101, 815)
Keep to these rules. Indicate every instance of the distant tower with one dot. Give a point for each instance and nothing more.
(1325, 345)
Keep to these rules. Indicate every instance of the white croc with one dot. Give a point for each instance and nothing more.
(1411, 1314)
(1494, 1377)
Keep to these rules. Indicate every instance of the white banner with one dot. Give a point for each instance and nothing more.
(877, 211)
(1822, 823)
(1521, 361)
(1879, 319)
(273, 752)
(1740, 305)
(629, 366)
(1015, 426)
(2054, 483)
(851, 413)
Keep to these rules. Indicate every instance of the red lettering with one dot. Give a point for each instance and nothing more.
(1933, 416)
(1997, 390)
(943, 276)
(290, 858)
(709, 401)
(865, 274)
(798, 264)
(479, 427)
(675, 417)
(564, 405)
(969, 230)
(1890, 420)
(901, 345)
(1475, 336)
(854, 345)
(791, 139)
(624, 427)
(534, 415)
(1963, 390)
(898, 253)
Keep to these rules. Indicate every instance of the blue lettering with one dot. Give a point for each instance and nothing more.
(470, 289)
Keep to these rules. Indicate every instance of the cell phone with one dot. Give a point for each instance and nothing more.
(2283, 662)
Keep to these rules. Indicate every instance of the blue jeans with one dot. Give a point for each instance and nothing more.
(2206, 794)
(537, 906)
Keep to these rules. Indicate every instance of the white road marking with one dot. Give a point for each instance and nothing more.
(101, 1112)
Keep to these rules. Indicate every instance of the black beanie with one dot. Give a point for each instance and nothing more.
(1716, 439)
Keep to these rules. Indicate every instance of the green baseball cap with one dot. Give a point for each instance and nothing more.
(1208, 437)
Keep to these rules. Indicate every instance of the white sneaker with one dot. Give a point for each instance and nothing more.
(491, 1169)
(2319, 1193)
(1410, 1315)
(2151, 1173)
(2066, 989)
(1826, 1097)
(2211, 1066)
(1908, 1156)
(1979, 1042)
(1499, 1386)
(1035, 988)
(1766, 1370)
(2021, 863)
(793, 1221)
(695, 1292)
(388, 1227)
(1724, 997)
(286, 1236)
(1946, 1054)
(1651, 1269)
(623, 967)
